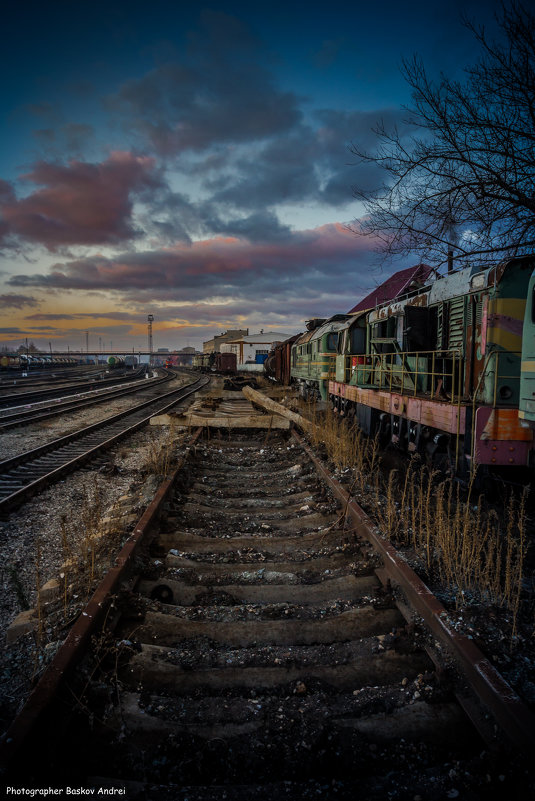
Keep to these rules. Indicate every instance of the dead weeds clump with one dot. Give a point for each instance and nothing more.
(457, 541)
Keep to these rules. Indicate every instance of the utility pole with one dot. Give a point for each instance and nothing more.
(150, 318)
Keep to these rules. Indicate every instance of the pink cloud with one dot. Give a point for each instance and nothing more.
(221, 261)
(80, 203)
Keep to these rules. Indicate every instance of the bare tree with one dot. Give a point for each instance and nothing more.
(463, 182)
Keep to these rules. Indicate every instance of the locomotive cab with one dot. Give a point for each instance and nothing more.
(351, 351)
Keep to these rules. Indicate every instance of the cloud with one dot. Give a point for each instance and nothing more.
(81, 203)
(12, 301)
(215, 94)
(281, 171)
(134, 318)
(72, 138)
(301, 264)
(51, 317)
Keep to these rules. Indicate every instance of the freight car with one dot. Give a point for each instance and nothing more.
(440, 370)
(115, 361)
(225, 363)
(206, 362)
(9, 361)
(278, 365)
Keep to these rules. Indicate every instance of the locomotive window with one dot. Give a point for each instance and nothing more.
(533, 305)
(332, 341)
(358, 340)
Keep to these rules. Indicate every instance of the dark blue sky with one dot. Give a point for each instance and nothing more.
(192, 160)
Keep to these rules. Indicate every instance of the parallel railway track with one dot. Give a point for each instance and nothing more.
(23, 416)
(257, 655)
(53, 389)
(27, 473)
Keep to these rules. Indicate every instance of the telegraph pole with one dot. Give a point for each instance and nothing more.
(150, 318)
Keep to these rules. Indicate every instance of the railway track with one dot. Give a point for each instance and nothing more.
(255, 655)
(35, 378)
(52, 389)
(24, 416)
(27, 473)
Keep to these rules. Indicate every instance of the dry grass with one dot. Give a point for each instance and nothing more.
(89, 544)
(162, 452)
(461, 542)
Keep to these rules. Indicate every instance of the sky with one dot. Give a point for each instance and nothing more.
(192, 161)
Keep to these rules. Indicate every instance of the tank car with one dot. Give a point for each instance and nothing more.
(9, 361)
(115, 361)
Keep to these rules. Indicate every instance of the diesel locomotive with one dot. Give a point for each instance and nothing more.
(445, 369)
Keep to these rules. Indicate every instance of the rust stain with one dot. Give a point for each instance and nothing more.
(503, 425)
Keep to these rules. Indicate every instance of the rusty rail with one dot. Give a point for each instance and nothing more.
(508, 710)
(73, 648)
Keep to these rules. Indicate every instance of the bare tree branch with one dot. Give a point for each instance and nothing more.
(466, 180)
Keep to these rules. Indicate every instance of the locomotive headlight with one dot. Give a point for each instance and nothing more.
(505, 392)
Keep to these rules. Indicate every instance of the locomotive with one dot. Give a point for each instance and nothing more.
(446, 369)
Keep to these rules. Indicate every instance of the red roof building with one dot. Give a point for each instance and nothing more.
(401, 283)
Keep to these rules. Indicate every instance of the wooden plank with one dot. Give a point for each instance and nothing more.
(224, 421)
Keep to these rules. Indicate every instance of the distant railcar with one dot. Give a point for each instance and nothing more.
(9, 361)
(225, 363)
(115, 361)
(278, 365)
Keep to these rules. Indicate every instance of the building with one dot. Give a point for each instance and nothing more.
(252, 350)
(214, 345)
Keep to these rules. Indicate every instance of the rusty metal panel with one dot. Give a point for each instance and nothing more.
(500, 439)
(435, 414)
(453, 285)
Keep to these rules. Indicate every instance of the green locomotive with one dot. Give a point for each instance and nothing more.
(314, 354)
(440, 369)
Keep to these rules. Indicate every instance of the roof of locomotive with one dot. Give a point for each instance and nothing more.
(334, 323)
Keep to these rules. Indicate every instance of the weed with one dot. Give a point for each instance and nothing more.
(15, 580)
(466, 546)
(162, 452)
